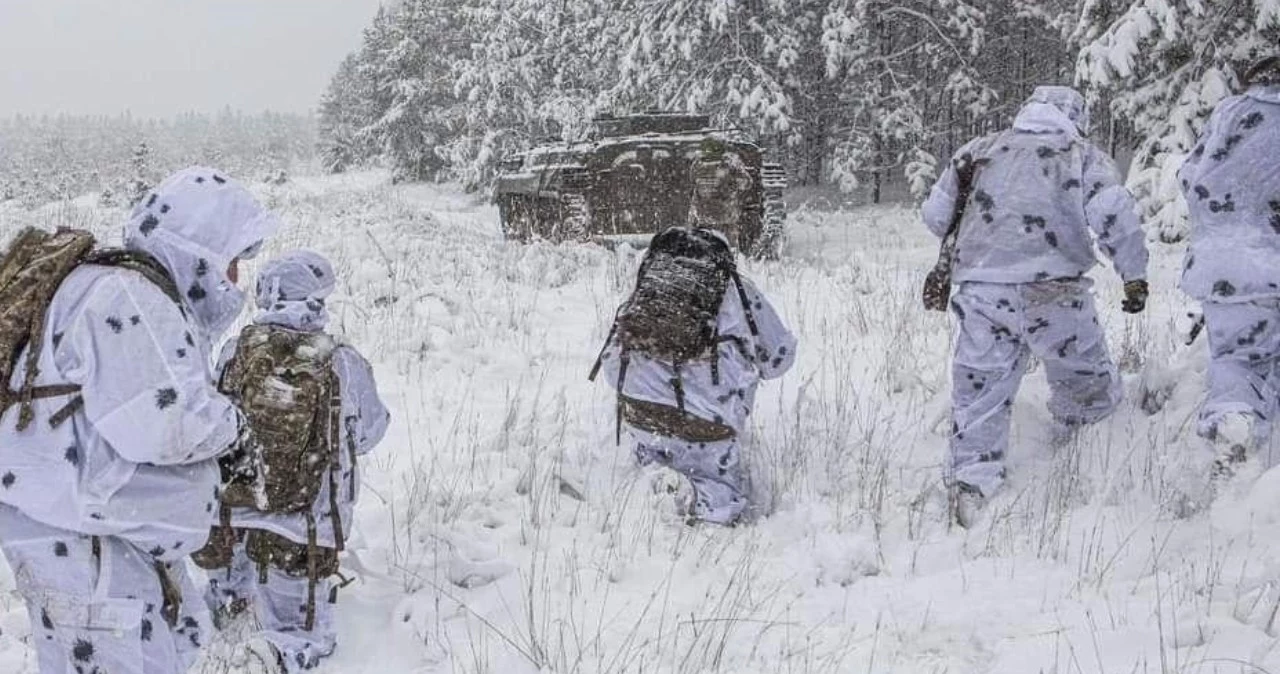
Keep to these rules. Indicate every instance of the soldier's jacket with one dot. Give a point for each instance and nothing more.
(1042, 195)
(1232, 186)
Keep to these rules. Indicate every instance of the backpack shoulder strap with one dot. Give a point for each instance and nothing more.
(140, 262)
(334, 433)
(746, 304)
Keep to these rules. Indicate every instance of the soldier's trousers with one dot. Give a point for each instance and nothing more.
(999, 327)
(1244, 355)
(280, 605)
(103, 611)
(713, 468)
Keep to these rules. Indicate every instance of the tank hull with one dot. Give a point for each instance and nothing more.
(634, 184)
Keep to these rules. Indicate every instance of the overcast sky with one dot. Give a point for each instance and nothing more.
(162, 57)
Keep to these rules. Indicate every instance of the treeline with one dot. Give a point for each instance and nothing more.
(48, 158)
(849, 92)
(857, 93)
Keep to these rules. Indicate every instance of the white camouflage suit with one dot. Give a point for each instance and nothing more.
(1232, 185)
(291, 292)
(1023, 249)
(135, 468)
(713, 468)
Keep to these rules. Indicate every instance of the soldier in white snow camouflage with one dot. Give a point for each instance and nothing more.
(280, 560)
(1232, 185)
(99, 512)
(1042, 194)
(690, 413)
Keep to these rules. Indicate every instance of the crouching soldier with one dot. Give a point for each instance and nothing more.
(685, 354)
(313, 408)
(1232, 185)
(111, 426)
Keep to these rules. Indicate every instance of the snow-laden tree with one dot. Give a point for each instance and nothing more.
(729, 58)
(1163, 65)
(377, 42)
(908, 78)
(344, 111)
(532, 73)
(143, 177)
(411, 77)
(857, 92)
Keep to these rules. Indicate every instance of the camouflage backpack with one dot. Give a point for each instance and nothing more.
(284, 383)
(672, 316)
(31, 270)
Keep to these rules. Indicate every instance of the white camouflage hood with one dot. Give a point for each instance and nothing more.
(1054, 109)
(292, 289)
(195, 224)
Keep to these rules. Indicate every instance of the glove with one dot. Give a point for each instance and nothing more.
(1135, 297)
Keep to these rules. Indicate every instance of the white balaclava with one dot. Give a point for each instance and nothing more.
(196, 223)
(292, 290)
(1064, 100)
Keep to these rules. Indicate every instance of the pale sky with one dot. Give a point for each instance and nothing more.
(163, 57)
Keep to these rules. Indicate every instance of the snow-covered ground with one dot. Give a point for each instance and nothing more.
(502, 531)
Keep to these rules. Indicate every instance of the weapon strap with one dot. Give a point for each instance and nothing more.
(966, 171)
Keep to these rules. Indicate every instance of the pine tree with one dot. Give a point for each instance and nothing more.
(376, 90)
(415, 83)
(343, 113)
(532, 74)
(138, 187)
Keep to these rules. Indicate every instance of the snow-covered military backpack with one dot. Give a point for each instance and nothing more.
(284, 383)
(672, 314)
(31, 270)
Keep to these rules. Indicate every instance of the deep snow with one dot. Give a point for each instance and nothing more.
(475, 553)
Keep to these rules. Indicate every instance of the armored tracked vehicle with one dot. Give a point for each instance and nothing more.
(636, 175)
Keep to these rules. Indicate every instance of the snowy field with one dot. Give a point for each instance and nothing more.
(501, 531)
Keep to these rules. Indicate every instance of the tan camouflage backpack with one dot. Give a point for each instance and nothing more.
(31, 270)
(283, 381)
